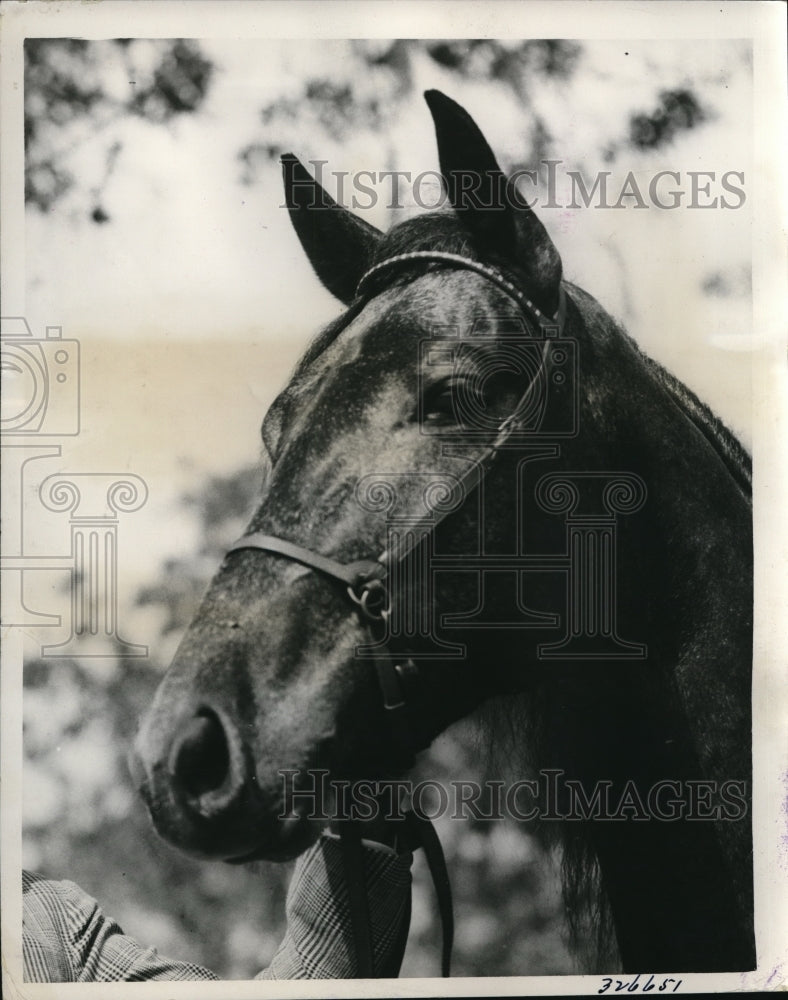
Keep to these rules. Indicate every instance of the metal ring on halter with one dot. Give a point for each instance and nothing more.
(373, 600)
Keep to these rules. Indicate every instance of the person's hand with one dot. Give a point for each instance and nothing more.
(387, 825)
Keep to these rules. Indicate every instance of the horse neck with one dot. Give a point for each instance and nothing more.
(685, 567)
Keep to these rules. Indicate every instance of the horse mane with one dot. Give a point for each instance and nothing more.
(509, 735)
(723, 442)
(519, 722)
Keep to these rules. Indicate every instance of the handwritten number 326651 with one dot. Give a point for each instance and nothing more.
(636, 986)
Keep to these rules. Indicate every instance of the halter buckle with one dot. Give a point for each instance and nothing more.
(373, 599)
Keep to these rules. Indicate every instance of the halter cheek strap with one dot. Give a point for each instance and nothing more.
(364, 580)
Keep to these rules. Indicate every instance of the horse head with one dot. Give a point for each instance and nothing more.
(445, 398)
(267, 677)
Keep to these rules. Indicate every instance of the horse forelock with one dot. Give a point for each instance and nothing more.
(439, 231)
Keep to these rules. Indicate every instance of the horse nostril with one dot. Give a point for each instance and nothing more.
(200, 760)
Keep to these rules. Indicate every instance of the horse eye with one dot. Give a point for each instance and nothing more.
(447, 401)
(438, 403)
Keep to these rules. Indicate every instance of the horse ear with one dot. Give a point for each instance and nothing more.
(489, 205)
(339, 245)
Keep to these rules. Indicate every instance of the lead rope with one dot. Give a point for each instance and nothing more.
(353, 861)
(419, 832)
(423, 830)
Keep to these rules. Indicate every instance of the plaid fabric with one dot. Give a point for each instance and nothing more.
(67, 938)
(318, 943)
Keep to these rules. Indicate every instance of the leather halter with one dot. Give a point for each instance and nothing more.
(469, 264)
(366, 587)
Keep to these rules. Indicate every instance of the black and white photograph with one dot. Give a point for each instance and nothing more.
(393, 486)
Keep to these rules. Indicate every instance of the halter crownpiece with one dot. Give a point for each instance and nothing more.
(366, 587)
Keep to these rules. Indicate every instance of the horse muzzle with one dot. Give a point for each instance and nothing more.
(202, 792)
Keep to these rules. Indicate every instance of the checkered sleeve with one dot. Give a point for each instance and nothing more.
(318, 943)
(67, 938)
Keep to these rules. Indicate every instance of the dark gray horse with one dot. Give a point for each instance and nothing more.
(615, 624)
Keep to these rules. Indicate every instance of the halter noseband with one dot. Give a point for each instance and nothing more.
(364, 580)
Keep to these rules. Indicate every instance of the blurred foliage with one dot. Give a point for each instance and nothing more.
(376, 77)
(515, 63)
(678, 111)
(74, 89)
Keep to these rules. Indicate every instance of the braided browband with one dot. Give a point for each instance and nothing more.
(468, 264)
